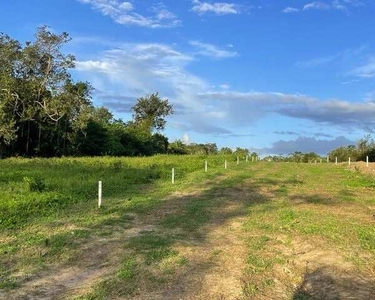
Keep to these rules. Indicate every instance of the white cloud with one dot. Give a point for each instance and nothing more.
(212, 50)
(305, 144)
(134, 70)
(289, 10)
(316, 5)
(123, 13)
(225, 86)
(336, 4)
(186, 139)
(341, 5)
(365, 71)
(218, 8)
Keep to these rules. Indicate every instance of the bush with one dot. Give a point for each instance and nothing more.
(35, 184)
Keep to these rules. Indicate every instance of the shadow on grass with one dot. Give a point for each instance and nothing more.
(186, 218)
(324, 284)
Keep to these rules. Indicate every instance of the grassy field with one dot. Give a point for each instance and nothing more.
(255, 231)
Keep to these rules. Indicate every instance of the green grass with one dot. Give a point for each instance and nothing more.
(48, 207)
(48, 212)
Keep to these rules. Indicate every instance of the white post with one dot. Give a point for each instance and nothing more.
(205, 166)
(349, 161)
(100, 194)
(320, 160)
(327, 159)
(367, 161)
(247, 158)
(336, 160)
(225, 164)
(252, 158)
(172, 175)
(238, 160)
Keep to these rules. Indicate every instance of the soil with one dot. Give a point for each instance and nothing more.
(215, 261)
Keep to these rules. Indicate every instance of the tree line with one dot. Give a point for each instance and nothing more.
(364, 147)
(44, 112)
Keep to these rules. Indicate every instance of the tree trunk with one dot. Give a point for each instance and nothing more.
(39, 137)
(64, 141)
(27, 138)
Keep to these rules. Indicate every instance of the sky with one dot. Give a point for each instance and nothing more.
(272, 76)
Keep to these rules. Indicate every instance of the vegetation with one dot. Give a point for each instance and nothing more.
(364, 147)
(147, 234)
(296, 156)
(43, 112)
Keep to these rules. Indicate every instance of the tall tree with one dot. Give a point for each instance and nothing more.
(150, 112)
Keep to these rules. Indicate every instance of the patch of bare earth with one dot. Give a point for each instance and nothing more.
(362, 166)
(208, 277)
(215, 261)
(320, 272)
(95, 260)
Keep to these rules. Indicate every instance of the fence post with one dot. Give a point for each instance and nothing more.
(336, 160)
(172, 175)
(100, 194)
(205, 166)
(367, 161)
(327, 159)
(225, 165)
(238, 160)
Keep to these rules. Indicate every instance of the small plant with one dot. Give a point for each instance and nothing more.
(117, 165)
(35, 184)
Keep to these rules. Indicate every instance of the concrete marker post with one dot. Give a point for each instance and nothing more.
(99, 194)
(205, 166)
(172, 175)
(367, 161)
(336, 160)
(238, 160)
(225, 165)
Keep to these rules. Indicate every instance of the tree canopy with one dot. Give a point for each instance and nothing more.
(150, 112)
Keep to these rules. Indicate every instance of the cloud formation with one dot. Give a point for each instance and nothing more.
(212, 51)
(316, 5)
(123, 13)
(365, 71)
(340, 5)
(305, 144)
(217, 8)
(289, 10)
(133, 70)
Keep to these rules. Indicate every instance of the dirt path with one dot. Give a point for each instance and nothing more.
(216, 264)
(214, 270)
(216, 255)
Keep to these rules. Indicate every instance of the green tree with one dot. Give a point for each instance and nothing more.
(150, 112)
(226, 150)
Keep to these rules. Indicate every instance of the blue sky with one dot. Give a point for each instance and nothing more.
(271, 75)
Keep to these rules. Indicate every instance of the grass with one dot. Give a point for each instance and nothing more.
(48, 207)
(48, 213)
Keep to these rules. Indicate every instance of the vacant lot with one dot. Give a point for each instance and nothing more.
(254, 231)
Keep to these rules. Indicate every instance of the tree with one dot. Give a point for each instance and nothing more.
(150, 112)
(226, 150)
(177, 147)
(241, 152)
